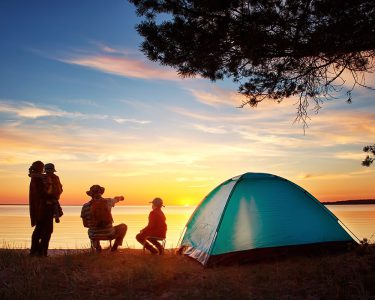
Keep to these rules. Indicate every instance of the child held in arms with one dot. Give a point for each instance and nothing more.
(54, 190)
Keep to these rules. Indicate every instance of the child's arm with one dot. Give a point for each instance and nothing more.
(36, 175)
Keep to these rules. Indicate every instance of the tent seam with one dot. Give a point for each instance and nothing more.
(221, 218)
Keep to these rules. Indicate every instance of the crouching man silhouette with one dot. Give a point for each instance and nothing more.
(96, 216)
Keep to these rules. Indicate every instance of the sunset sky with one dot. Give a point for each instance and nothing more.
(75, 90)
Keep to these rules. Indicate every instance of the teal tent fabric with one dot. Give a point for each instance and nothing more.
(258, 211)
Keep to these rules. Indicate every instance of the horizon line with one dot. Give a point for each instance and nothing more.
(324, 202)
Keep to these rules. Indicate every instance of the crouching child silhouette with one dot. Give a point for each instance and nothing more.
(96, 216)
(155, 230)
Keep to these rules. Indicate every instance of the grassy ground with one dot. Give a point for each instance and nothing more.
(130, 274)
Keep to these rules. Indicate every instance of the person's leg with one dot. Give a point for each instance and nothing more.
(35, 239)
(56, 212)
(120, 231)
(142, 239)
(96, 245)
(47, 230)
(157, 245)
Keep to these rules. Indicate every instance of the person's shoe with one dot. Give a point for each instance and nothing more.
(98, 249)
(150, 248)
(114, 247)
(161, 250)
(153, 251)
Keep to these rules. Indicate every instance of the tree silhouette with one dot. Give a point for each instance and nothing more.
(273, 49)
(369, 160)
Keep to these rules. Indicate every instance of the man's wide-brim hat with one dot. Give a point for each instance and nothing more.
(95, 190)
(157, 202)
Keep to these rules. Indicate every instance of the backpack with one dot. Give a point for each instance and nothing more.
(101, 213)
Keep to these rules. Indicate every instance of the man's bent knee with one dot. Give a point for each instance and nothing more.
(120, 231)
(122, 228)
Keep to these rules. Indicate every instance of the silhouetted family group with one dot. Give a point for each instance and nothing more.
(44, 195)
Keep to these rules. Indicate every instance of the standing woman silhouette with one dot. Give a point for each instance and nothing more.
(41, 213)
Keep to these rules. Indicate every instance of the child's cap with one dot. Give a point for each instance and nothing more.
(157, 202)
(49, 167)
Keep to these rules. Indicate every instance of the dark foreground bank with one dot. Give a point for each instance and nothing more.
(131, 274)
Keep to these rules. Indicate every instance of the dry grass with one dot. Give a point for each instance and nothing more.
(130, 274)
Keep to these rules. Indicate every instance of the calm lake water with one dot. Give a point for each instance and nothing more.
(15, 229)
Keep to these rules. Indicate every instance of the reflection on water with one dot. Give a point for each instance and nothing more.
(359, 219)
(15, 229)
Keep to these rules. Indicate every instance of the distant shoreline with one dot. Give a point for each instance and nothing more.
(351, 202)
(80, 205)
(340, 202)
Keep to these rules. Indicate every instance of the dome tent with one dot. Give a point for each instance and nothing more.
(255, 215)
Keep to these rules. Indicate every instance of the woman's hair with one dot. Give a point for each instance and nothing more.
(37, 166)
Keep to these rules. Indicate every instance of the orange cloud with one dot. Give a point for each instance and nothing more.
(123, 66)
(29, 110)
(218, 97)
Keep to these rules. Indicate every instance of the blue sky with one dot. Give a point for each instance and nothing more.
(76, 91)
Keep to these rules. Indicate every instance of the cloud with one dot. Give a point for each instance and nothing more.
(104, 48)
(122, 66)
(224, 104)
(96, 145)
(274, 121)
(348, 79)
(335, 176)
(122, 62)
(218, 97)
(122, 120)
(29, 110)
(356, 156)
(343, 128)
(70, 143)
(236, 115)
(207, 129)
